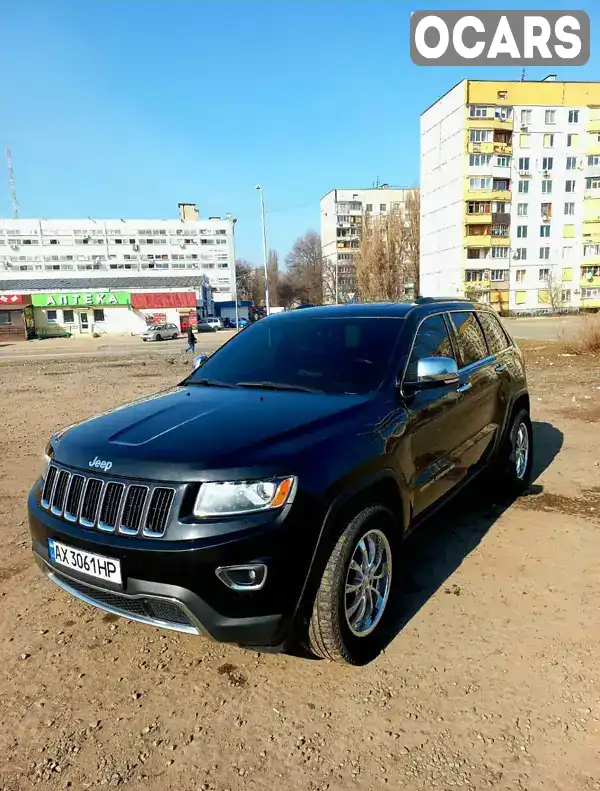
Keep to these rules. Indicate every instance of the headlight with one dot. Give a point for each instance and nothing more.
(243, 497)
(45, 465)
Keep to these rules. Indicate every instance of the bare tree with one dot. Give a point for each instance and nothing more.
(244, 276)
(305, 265)
(330, 292)
(273, 275)
(387, 266)
(554, 292)
(250, 281)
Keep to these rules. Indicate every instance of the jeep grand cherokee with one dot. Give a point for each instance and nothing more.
(264, 501)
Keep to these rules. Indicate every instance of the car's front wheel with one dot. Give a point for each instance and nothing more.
(159, 337)
(351, 604)
(175, 336)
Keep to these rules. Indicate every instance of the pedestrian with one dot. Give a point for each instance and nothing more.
(191, 340)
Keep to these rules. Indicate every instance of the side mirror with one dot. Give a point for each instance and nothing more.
(434, 372)
(201, 358)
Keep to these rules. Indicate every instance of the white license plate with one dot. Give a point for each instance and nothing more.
(98, 566)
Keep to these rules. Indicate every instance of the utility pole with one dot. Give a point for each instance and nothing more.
(11, 185)
(265, 248)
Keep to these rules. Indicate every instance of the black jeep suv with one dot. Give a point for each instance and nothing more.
(264, 500)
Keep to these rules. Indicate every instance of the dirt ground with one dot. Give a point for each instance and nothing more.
(493, 681)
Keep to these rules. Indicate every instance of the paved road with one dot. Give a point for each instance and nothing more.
(555, 328)
(118, 347)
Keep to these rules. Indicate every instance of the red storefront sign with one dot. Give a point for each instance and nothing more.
(167, 299)
(11, 299)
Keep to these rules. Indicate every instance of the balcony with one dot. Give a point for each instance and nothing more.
(478, 242)
(592, 148)
(487, 195)
(592, 171)
(500, 124)
(478, 219)
(476, 285)
(593, 126)
(587, 282)
(489, 148)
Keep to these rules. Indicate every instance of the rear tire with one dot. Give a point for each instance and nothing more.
(514, 462)
(351, 604)
(175, 336)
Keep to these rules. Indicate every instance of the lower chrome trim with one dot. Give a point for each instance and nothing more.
(195, 630)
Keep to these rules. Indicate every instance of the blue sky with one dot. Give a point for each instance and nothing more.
(124, 109)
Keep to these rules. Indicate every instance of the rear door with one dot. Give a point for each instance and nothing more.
(478, 408)
(435, 433)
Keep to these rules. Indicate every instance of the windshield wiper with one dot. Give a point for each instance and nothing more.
(209, 383)
(278, 386)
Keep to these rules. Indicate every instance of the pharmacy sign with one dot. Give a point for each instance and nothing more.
(81, 299)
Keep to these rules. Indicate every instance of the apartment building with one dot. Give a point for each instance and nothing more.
(155, 253)
(510, 194)
(342, 213)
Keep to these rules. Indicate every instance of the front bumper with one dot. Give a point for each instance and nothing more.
(172, 584)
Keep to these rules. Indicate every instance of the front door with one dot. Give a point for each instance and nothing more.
(435, 433)
(84, 321)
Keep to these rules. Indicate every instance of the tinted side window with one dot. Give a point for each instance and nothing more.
(471, 341)
(432, 340)
(496, 338)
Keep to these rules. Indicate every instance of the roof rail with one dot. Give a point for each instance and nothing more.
(427, 300)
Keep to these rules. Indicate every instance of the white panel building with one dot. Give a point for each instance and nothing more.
(87, 250)
(342, 212)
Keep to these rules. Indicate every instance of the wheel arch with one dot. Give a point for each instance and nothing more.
(381, 488)
(520, 401)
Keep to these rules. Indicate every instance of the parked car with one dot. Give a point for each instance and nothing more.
(204, 326)
(161, 332)
(265, 500)
(212, 321)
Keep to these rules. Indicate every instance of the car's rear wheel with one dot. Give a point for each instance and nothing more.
(514, 462)
(175, 336)
(348, 618)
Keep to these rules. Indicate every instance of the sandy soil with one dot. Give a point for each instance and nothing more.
(492, 680)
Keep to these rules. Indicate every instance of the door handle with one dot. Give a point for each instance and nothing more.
(500, 367)
(464, 388)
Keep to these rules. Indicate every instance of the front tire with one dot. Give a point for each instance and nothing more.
(175, 336)
(351, 604)
(159, 337)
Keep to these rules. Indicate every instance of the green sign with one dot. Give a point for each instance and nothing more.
(81, 299)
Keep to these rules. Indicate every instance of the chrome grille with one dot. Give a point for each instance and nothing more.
(158, 512)
(133, 510)
(49, 486)
(91, 501)
(110, 506)
(74, 498)
(60, 491)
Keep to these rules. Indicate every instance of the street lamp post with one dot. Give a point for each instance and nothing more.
(233, 221)
(265, 250)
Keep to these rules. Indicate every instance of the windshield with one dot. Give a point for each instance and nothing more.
(324, 354)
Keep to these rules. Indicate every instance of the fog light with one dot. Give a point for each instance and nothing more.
(250, 577)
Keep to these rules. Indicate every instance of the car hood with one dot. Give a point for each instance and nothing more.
(188, 433)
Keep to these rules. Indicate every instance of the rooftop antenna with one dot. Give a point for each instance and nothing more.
(11, 185)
